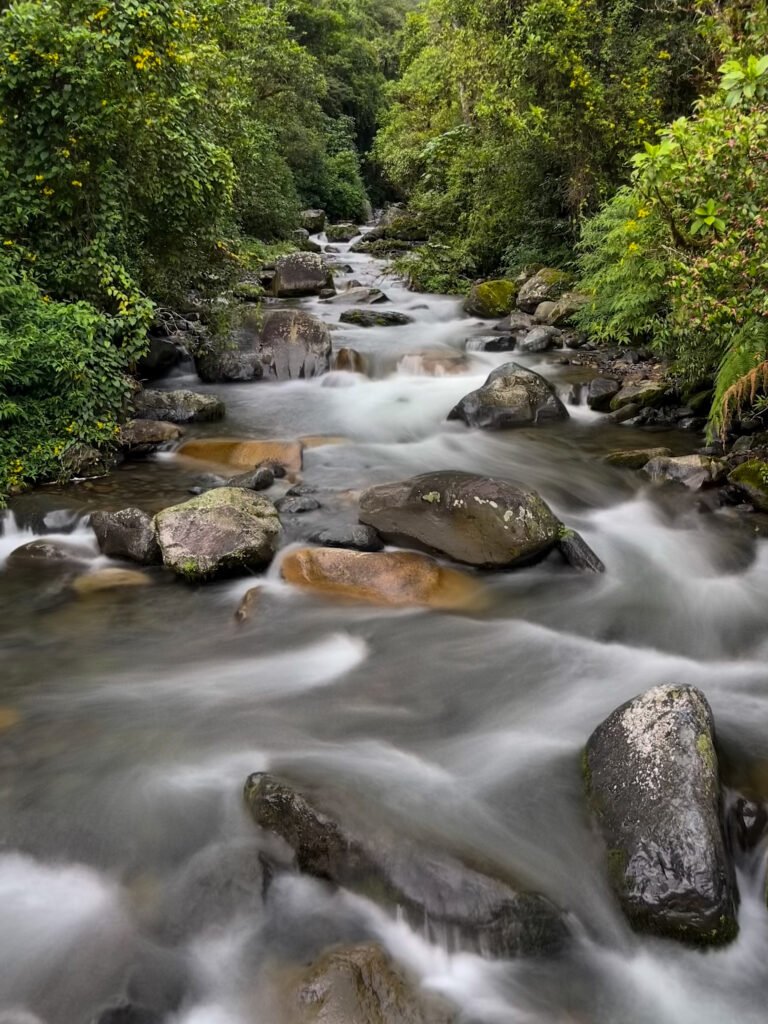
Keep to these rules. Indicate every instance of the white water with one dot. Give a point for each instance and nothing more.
(141, 715)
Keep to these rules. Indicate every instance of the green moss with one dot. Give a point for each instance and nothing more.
(586, 771)
(248, 291)
(491, 299)
(617, 868)
(707, 751)
(752, 478)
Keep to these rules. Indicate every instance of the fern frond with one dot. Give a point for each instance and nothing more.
(741, 376)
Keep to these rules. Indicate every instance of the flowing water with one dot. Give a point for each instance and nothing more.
(129, 722)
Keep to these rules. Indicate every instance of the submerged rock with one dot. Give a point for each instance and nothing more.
(482, 521)
(490, 300)
(431, 890)
(361, 985)
(652, 778)
(224, 532)
(300, 274)
(101, 580)
(129, 534)
(129, 1013)
(47, 555)
(294, 344)
(393, 579)
(578, 554)
(374, 318)
(512, 396)
(636, 458)
(246, 454)
(178, 406)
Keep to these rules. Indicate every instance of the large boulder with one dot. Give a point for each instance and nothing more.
(652, 779)
(546, 285)
(430, 889)
(361, 984)
(478, 520)
(341, 232)
(693, 471)
(752, 479)
(566, 307)
(515, 323)
(313, 221)
(300, 274)
(375, 318)
(245, 454)
(391, 579)
(129, 534)
(540, 339)
(601, 392)
(490, 300)
(512, 396)
(220, 364)
(163, 353)
(294, 344)
(223, 532)
(639, 393)
(178, 406)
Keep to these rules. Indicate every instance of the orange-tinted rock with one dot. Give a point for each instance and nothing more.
(249, 604)
(434, 364)
(349, 359)
(108, 579)
(394, 579)
(244, 454)
(321, 441)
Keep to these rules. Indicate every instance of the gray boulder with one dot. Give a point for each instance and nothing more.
(478, 520)
(515, 323)
(540, 339)
(139, 438)
(129, 534)
(222, 365)
(374, 318)
(304, 242)
(546, 285)
(601, 392)
(512, 396)
(259, 479)
(313, 221)
(294, 344)
(357, 537)
(341, 232)
(491, 343)
(163, 353)
(300, 274)
(360, 295)
(224, 532)
(484, 913)
(178, 406)
(693, 471)
(563, 311)
(652, 779)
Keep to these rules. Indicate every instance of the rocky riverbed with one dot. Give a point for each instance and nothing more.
(409, 668)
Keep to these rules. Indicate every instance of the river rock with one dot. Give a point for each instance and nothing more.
(490, 300)
(434, 364)
(129, 1013)
(296, 504)
(543, 310)
(752, 479)
(491, 343)
(567, 306)
(349, 360)
(482, 521)
(83, 462)
(246, 454)
(142, 437)
(357, 537)
(300, 274)
(694, 471)
(359, 295)
(102, 580)
(259, 479)
(129, 534)
(512, 396)
(361, 984)
(223, 532)
(515, 323)
(222, 365)
(47, 555)
(601, 392)
(294, 344)
(540, 339)
(546, 285)
(375, 318)
(652, 778)
(178, 406)
(641, 393)
(313, 221)
(392, 579)
(636, 458)
(162, 355)
(304, 242)
(578, 554)
(341, 232)
(431, 890)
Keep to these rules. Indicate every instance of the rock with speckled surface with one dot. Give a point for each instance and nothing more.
(478, 520)
(652, 777)
(512, 396)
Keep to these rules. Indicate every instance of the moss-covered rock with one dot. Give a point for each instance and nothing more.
(546, 285)
(491, 300)
(512, 396)
(341, 232)
(224, 532)
(636, 458)
(374, 318)
(653, 785)
(752, 478)
(641, 393)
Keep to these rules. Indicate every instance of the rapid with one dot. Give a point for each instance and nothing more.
(128, 723)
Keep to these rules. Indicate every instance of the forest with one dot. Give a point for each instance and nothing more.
(152, 153)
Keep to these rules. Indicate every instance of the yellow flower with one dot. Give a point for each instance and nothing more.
(13, 57)
(48, 191)
(39, 177)
(642, 212)
(70, 428)
(633, 247)
(664, 55)
(7, 242)
(77, 184)
(64, 152)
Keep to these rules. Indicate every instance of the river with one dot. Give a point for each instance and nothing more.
(129, 723)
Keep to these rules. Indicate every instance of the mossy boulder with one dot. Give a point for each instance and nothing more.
(127, 534)
(375, 318)
(641, 393)
(653, 785)
(752, 478)
(546, 285)
(512, 396)
(224, 532)
(481, 521)
(491, 300)
(636, 458)
(429, 888)
(178, 406)
(313, 221)
(300, 274)
(341, 232)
